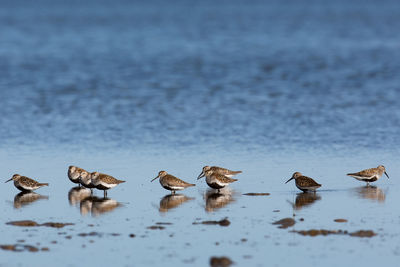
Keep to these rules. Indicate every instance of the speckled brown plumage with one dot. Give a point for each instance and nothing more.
(108, 179)
(223, 171)
(25, 184)
(369, 175)
(304, 181)
(170, 180)
(217, 170)
(224, 179)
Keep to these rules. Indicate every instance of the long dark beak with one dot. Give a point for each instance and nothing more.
(387, 175)
(154, 179)
(289, 180)
(201, 175)
(8, 180)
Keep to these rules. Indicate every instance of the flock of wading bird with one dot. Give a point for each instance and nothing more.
(216, 178)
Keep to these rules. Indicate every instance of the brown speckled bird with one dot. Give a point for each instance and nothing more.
(304, 183)
(218, 170)
(216, 180)
(370, 175)
(171, 182)
(104, 181)
(75, 174)
(25, 184)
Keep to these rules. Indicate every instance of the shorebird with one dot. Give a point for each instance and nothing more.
(218, 170)
(86, 180)
(25, 184)
(75, 173)
(104, 182)
(304, 183)
(370, 175)
(171, 182)
(216, 180)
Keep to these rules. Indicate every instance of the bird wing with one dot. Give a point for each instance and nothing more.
(224, 179)
(109, 179)
(28, 181)
(306, 181)
(171, 180)
(224, 171)
(364, 173)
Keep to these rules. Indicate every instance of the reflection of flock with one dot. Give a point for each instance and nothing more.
(82, 197)
(216, 178)
(214, 200)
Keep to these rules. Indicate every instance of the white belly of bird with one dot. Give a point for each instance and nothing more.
(311, 188)
(28, 188)
(363, 178)
(176, 187)
(213, 180)
(106, 185)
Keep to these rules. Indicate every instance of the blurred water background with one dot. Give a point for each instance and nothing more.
(262, 75)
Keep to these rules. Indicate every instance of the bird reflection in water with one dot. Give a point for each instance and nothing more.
(370, 192)
(77, 194)
(172, 201)
(216, 200)
(98, 206)
(25, 198)
(305, 199)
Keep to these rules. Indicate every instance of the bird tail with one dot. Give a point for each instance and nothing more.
(351, 174)
(44, 184)
(236, 172)
(120, 181)
(191, 185)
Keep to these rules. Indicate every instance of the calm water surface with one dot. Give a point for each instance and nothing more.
(250, 239)
(132, 88)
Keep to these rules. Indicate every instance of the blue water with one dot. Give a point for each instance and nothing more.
(268, 87)
(267, 75)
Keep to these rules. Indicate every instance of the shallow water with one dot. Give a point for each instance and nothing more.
(269, 88)
(250, 239)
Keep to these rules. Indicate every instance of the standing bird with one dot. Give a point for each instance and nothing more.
(304, 183)
(218, 170)
(104, 182)
(25, 184)
(75, 174)
(86, 180)
(370, 175)
(216, 180)
(171, 182)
